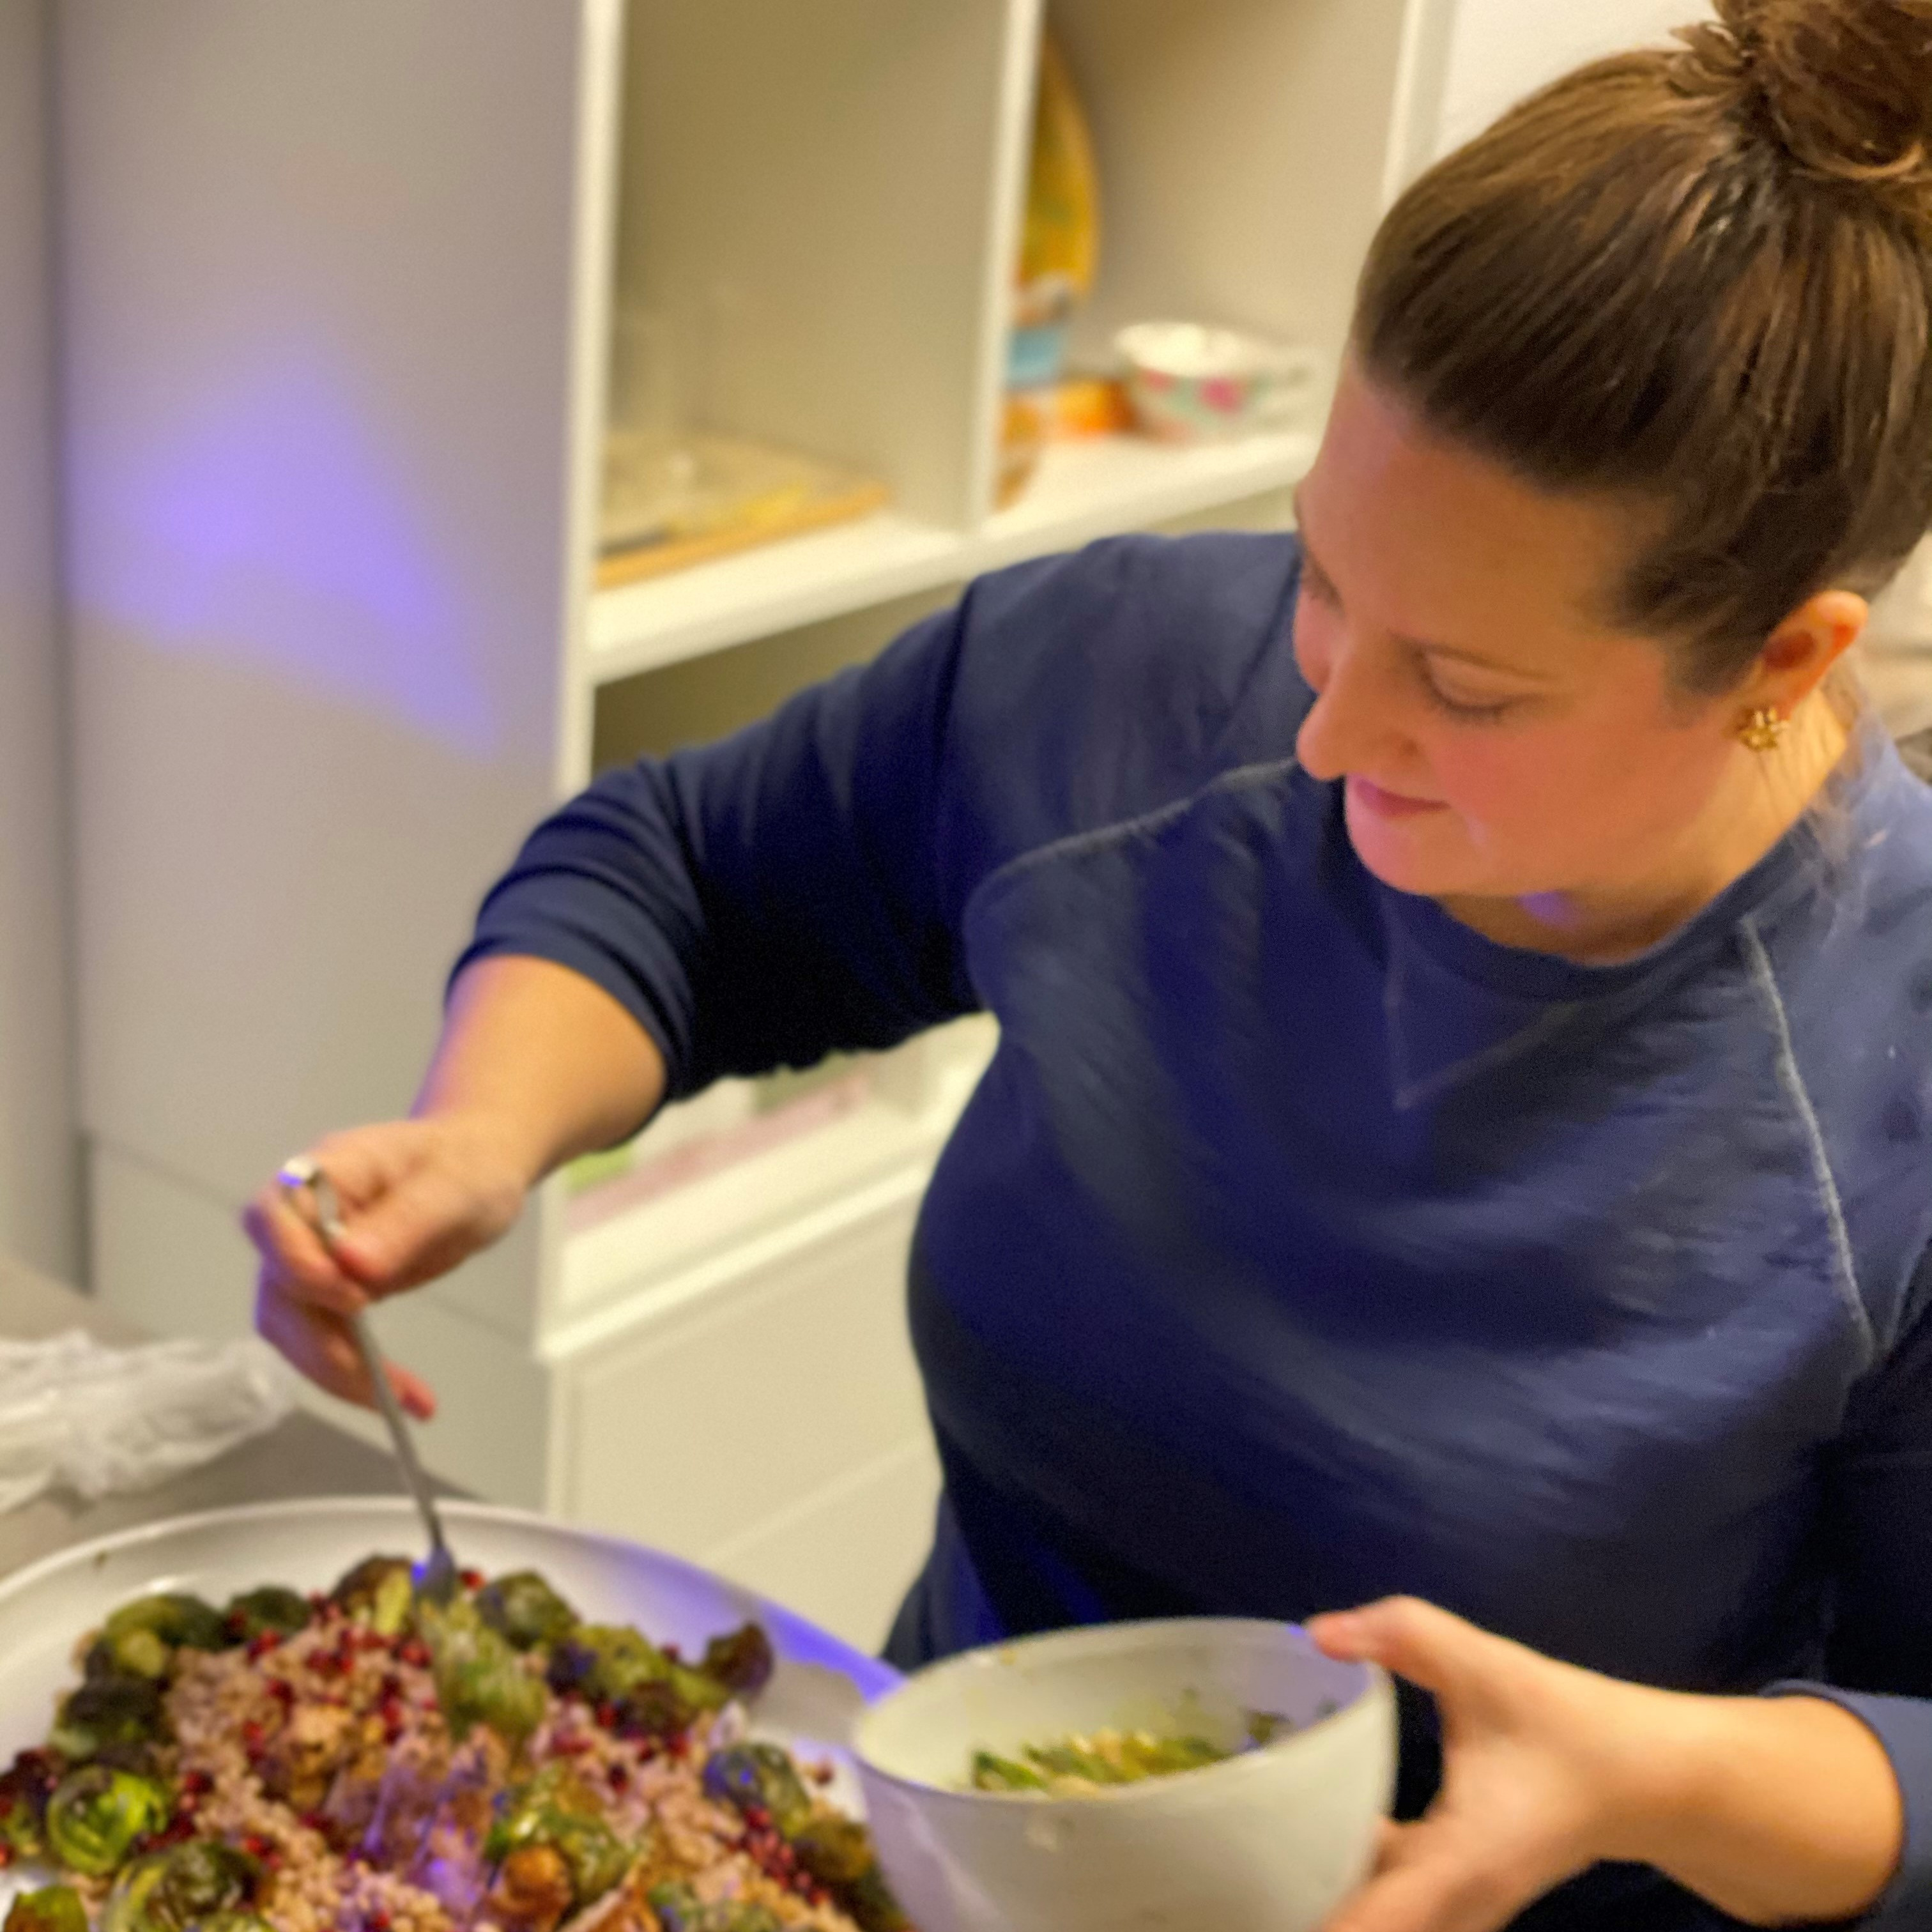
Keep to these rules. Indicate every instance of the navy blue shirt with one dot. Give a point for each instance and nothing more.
(1301, 1246)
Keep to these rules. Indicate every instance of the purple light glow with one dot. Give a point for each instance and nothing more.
(265, 525)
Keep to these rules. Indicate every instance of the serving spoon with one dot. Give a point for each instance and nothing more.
(436, 1576)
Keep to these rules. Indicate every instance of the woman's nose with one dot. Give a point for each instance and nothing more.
(1346, 722)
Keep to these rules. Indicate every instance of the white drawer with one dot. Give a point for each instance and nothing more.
(706, 1422)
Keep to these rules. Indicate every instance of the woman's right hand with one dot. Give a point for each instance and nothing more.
(418, 1197)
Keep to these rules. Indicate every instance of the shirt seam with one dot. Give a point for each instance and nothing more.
(1126, 831)
(1844, 1273)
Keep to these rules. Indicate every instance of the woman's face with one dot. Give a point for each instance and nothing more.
(1497, 740)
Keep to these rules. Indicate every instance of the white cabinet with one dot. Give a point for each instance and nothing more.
(338, 291)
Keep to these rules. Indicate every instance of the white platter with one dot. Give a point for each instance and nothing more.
(814, 1698)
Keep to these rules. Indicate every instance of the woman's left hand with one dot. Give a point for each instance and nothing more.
(1779, 1810)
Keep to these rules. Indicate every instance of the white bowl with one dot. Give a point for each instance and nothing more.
(1275, 1838)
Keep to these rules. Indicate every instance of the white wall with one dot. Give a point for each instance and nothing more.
(1502, 48)
(39, 1216)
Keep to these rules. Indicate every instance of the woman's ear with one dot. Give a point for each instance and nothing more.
(1797, 655)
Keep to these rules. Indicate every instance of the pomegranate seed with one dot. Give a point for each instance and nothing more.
(472, 1580)
(414, 1651)
(378, 1920)
(196, 1784)
(678, 1746)
(619, 1777)
(606, 1715)
(258, 1647)
(282, 1690)
(758, 1817)
(6, 1855)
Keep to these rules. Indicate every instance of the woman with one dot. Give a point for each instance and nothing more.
(1459, 1124)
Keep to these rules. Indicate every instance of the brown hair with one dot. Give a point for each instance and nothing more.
(1697, 278)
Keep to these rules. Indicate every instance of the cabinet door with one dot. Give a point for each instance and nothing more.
(774, 1428)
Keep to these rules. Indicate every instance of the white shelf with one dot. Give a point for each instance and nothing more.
(1088, 490)
(774, 588)
(667, 1250)
(1082, 491)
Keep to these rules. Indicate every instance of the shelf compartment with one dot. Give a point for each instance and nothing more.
(1088, 489)
(777, 587)
(1082, 490)
(1243, 152)
(807, 209)
(673, 1242)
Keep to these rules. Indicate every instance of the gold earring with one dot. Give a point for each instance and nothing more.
(1763, 731)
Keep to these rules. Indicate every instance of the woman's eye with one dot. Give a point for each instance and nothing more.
(1315, 585)
(1467, 711)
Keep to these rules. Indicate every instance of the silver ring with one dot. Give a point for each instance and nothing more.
(297, 1171)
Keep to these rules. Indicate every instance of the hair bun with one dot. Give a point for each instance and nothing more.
(1847, 84)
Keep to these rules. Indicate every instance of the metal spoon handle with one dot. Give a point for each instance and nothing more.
(413, 1478)
(303, 1173)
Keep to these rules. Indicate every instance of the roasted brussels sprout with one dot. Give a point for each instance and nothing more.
(659, 1709)
(570, 1666)
(127, 1907)
(523, 1608)
(379, 1590)
(53, 1908)
(134, 1653)
(179, 1620)
(868, 1902)
(204, 1875)
(142, 1755)
(479, 1679)
(103, 1711)
(836, 1851)
(25, 1786)
(97, 1815)
(188, 1887)
(603, 1660)
(680, 1909)
(651, 1694)
(556, 1809)
(271, 1611)
(756, 1777)
(742, 1662)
